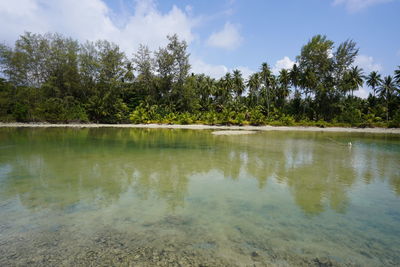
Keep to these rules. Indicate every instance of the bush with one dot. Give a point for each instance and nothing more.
(20, 112)
(257, 117)
(395, 123)
(139, 115)
(185, 118)
(287, 120)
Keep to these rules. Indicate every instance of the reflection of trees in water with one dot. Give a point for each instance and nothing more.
(58, 168)
(371, 164)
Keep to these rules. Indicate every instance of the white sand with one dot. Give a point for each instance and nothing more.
(211, 127)
(233, 132)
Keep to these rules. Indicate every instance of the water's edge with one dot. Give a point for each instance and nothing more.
(206, 127)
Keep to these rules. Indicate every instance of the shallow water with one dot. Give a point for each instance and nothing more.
(183, 197)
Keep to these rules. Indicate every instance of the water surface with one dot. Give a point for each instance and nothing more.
(185, 197)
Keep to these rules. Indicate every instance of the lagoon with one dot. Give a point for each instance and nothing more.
(175, 197)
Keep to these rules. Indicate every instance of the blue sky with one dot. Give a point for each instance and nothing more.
(222, 35)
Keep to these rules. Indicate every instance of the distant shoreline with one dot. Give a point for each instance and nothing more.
(205, 127)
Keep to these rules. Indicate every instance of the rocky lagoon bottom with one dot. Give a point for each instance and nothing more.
(148, 197)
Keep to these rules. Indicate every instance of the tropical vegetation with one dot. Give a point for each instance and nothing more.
(56, 79)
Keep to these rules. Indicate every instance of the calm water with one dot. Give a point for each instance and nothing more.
(182, 197)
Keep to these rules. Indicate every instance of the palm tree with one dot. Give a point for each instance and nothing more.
(353, 79)
(308, 80)
(397, 75)
(225, 88)
(374, 80)
(295, 77)
(238, 83)
(283, 89)
(206, 89)
(266, 78)
(386, 91)
(254, 84)
(228, 81)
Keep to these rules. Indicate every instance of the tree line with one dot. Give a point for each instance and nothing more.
(56, 79)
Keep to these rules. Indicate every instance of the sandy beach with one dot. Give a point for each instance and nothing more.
(207, 127)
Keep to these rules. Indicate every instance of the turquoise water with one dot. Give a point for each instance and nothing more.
(185, 197)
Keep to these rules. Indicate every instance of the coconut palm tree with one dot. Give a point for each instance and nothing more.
(295, 77)
(374, 80)
(228, 83)
(353, 79)
(267, 80)
(254, 84)
(206, 89)
(283, 89)
(386, 91)
(238, 84)
(397, 75)
(223, 92)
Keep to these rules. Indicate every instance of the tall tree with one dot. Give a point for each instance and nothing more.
(344, 57)
(295, 77)
(173, 67)
(225, 89)
(206, 87)
(373, 80)
(353, 79)
(238, 84)
(28, 63)
(397, 75)
(105, 104)
(283, 89)
(267, 80)
(254, 83)
(316, 63)
(316, 58)
(386, 91)
(144, 65)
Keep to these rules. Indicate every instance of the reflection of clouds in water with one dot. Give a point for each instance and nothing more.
(188, 182)
(372, 163)
(5, 169)
(364, 162)
(104, 163)
(298, 153)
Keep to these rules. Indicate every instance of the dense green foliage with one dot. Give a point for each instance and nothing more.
(56, 79)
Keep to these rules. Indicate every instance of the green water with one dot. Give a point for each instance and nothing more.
(143, 197)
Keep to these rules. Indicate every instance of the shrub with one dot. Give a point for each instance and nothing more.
(139, 115)
(287, 120)
(257, 117)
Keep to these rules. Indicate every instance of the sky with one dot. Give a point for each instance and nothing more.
(222, 35)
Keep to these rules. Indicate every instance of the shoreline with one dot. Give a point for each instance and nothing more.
(205, 127)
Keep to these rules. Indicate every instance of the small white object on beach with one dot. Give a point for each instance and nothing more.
(349, 144)
(232, 132)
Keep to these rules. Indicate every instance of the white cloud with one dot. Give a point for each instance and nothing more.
(362, 92)
(330, 53)
(218, 71)
(284, 63)
(228, 38)
(91, 20)
(246, 72)
(367, 63)
(214, 71)
(356, 5)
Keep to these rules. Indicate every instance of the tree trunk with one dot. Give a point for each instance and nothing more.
(267, 101)
(387, 106)
(304, 106)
